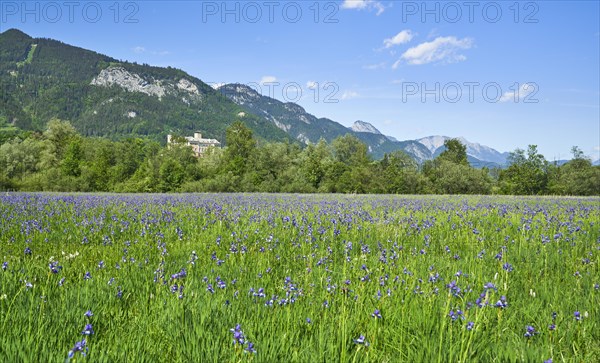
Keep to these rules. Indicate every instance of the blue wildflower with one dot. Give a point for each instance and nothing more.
(361, 341)
(530, 331)
(238, 335)
(79, 347)
(259, 293)
(455, 315)
(54, 267)
(502, 302)
(454, 288)
(250, 348)
(88, 330)
(489, 286)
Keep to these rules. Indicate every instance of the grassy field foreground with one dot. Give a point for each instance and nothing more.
(273, 278)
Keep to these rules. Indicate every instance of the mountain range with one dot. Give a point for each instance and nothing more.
(305, 127)
(102, 96)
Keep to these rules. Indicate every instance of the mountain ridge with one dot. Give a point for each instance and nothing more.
(307, 128)
(102, 96)
(362, 126)
(435, 144)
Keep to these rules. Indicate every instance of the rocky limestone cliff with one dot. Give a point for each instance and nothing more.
(132, 82)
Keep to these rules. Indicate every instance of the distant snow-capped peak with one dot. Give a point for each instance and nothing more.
(433, 142)
(361, 126)
(478, 151)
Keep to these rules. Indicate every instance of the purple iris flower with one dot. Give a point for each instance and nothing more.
(79, 347)
(250, 348)
(502, 302)
(238, 335)
(88, 330)
(530, 331)
(361, 341)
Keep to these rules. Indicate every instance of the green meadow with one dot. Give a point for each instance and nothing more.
(297, 278)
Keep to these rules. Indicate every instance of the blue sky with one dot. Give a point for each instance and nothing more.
(503, 74)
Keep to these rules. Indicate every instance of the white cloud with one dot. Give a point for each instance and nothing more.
(441, 49)
(364, 5)
(433, 33)
(525, 90)
(354, 4)
(347, 95)
(373, 67)
(312, 85)
(140, 50)
(267, 79)
(404, 36)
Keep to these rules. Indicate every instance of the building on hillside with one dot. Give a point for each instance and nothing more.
(199, 145)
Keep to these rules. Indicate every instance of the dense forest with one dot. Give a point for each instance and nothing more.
(60, 159)
(41, 79)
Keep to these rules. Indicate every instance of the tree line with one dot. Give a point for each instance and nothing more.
(60, 159)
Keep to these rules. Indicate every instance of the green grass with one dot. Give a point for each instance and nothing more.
(257, 241)
(29, 56)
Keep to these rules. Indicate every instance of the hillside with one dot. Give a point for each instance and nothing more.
(306, 127)
(101, 96)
